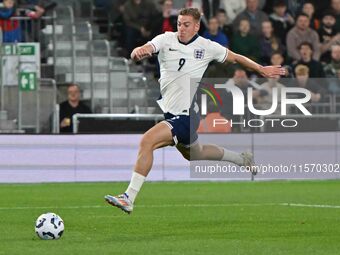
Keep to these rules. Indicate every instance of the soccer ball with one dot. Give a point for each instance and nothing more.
(49, 226)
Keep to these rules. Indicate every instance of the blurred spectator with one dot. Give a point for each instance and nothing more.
(295, 6)
(223, 23)
(70, 107)
(138, 18)
(10, 28)
(335, 4)
(210, 8)
(320, 7)
(253, 15)
(244, 43)
(309, 9)
(282, 21)
(233, 8)
(167, 20)
(269, 43)
(34, 9)
(328, 35)
(194, 4)
(300, 33)
(315, 67)
(266, 100)
(215, 34)
(277, 59)
(116, 10)
(240, 79)
(303, 81)
(332, 70)
(116, 18)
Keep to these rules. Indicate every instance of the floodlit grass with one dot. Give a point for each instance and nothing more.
(176, 218)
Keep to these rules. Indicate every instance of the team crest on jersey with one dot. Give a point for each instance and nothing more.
(199, 53)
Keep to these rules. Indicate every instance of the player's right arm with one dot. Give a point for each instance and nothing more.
(142, 52)
(154, 46)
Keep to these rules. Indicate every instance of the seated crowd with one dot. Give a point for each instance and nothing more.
(285, 32)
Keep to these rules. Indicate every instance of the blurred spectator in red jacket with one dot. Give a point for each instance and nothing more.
(10, 28)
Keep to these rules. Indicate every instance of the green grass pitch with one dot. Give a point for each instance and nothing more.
(279, 217)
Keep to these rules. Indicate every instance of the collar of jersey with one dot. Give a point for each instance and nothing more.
(192, 39)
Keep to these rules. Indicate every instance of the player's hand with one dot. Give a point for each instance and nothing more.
(140, 53)
(272, 71)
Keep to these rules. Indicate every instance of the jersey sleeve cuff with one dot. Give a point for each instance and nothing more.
(153, 46)
(225, 56)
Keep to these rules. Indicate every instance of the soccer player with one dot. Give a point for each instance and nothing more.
(182, 55)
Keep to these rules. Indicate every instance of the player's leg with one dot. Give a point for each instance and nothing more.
(158, 136)
(192, 150)
(199, 151)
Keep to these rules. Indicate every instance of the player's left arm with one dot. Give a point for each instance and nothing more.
(266, 71)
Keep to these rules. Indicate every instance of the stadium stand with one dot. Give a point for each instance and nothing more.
(83, 42)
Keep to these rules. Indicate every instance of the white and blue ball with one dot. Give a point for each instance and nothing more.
(49, 226)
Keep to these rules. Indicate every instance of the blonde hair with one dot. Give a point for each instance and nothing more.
(193, 12)
(301, 70)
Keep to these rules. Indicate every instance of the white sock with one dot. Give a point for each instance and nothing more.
(232, 156)
(136, 183)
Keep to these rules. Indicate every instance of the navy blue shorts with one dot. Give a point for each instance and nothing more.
(183, 127)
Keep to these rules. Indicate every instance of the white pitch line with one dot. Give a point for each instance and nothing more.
(175, 205)
(314, 206)
(205, 205)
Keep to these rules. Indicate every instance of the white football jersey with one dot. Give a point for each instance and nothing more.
(178, 64)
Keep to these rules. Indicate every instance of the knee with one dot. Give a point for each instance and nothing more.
(191, 155)
(194, 156)
(146, 143)
(198, 154)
